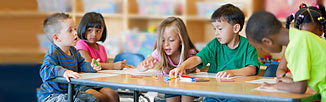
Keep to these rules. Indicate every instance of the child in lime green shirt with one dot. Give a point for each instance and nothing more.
(305, 52)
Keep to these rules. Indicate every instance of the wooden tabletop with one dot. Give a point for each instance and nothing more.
(239, 89)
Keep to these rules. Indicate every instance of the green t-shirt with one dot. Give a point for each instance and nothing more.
(306, 57)
(222, 58)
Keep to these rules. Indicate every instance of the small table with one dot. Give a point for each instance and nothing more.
(239, 89)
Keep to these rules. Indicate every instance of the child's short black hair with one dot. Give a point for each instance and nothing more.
(52, 24)
(91, 19)
(230, 13)
(262, 24)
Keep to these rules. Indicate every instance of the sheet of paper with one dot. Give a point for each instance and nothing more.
(208, 75)
(112, 71)
(260, 81)
(132, 71)
(268, 90)
(95, 75)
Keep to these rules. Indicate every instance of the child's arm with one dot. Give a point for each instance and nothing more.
(87, 66)
(50, 69)
(118, 65)
(295, 87)
(248, 70)
(188, 64)
(71, 74)
(148, 63)
(282, 68)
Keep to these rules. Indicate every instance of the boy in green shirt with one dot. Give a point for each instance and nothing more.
(229, 54)
(305, 52)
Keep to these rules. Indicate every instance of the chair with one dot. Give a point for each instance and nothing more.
(271, 70)
(19, 82)
(131, 58)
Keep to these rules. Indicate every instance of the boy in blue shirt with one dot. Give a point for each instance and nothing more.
(63, 60)
(229, 54)
(305, 53)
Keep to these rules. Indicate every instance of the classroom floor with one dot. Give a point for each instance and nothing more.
(129, 98)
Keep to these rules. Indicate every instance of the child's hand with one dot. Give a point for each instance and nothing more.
(284, 79)
(267, 86)
(129, 66)
(71, 74)
(119, 65)
(224, 74)
(176, 72)
(148, 64)
(96, 65)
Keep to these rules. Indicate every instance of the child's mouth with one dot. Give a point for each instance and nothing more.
(219, 39)
(167, 50)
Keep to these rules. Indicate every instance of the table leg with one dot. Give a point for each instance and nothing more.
(70, 92)
(136, 96)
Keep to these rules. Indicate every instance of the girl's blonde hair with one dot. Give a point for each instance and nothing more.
(186, 43)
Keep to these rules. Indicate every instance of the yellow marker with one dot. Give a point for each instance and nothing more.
(172, 77)
(148, 75)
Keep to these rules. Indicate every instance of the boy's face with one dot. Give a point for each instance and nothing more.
(267, 46)
(224, 31)
(68, 34)
(93, 34)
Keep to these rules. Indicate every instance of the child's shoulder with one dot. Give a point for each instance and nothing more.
(52, 50)
(81, 43)
(244, 43)
(213, 42)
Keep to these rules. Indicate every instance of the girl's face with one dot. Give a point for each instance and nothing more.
(312, 27)
(171, 41)
(93, 34)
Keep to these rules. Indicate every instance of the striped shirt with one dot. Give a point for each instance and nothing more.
(55, 63)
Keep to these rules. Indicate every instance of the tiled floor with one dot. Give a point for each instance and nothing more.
(129, 98)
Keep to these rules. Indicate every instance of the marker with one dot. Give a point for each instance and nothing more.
(96, 63)
(284, 75)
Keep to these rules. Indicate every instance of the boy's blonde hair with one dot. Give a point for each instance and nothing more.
(186, 44)
(53, 24)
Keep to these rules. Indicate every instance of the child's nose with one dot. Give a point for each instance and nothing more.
(167, 43)
(216, 32)
(93, 33)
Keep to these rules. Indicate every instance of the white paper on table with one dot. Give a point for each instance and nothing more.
(95, 75)
(261, 81)
(269, 90)
(208, 75)
(132, 71)
(112, 71)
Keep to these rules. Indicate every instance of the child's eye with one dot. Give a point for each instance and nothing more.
(171, 40)
(214, 28)
(98, 31)
(219, 28)
(163, 40)
(90, 30)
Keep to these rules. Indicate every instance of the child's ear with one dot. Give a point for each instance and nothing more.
(55, 37)
(267, 41)
(236, 28)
